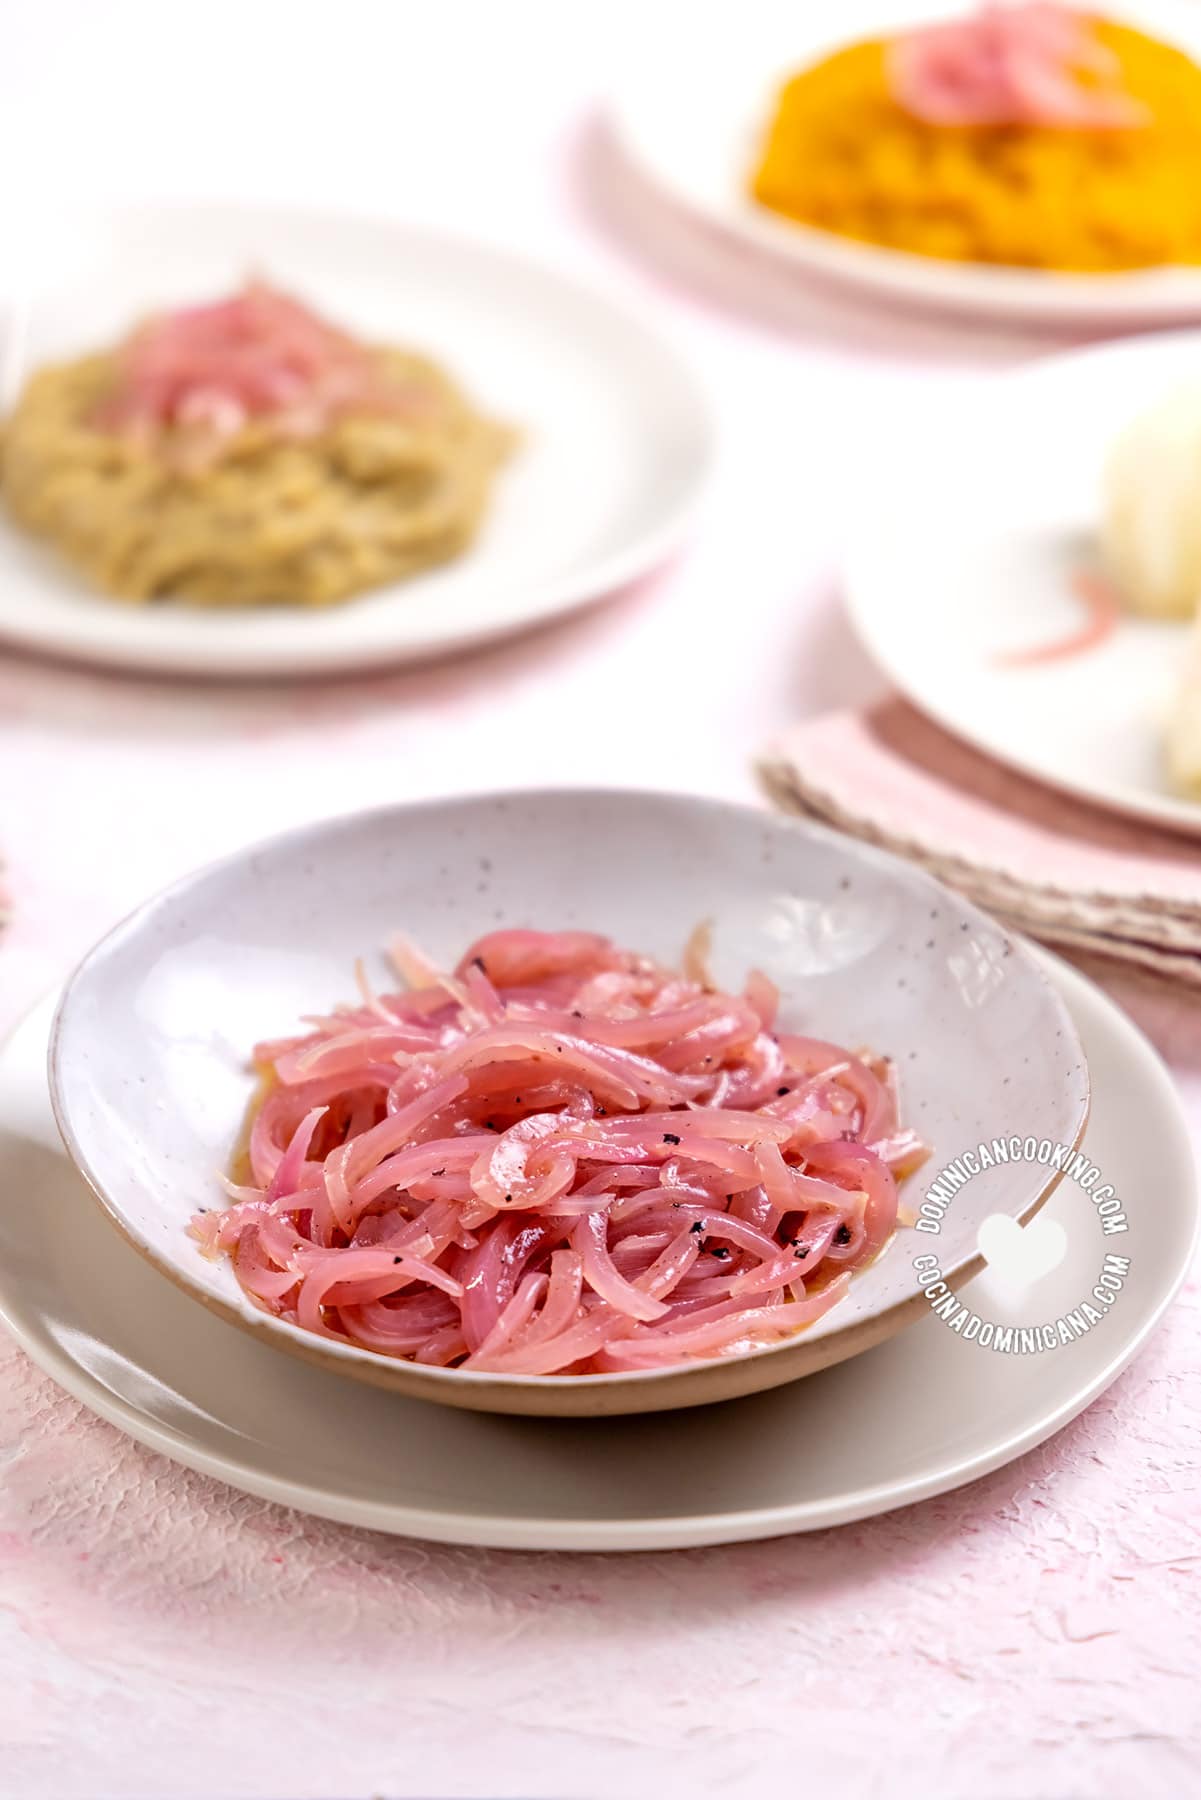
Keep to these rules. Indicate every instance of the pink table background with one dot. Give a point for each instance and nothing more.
(1035, 1634)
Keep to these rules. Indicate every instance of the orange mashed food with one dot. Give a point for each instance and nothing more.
(843, 155)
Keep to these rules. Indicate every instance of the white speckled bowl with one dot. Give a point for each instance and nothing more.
(149, 1078)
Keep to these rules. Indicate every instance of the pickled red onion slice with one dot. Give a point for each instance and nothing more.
(1036, 63)
(558, 1159)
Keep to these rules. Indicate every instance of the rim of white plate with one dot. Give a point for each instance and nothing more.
(109, 642)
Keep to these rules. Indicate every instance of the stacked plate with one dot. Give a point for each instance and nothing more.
(899, 1405)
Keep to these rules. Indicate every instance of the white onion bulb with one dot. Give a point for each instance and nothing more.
(1151, 513)
(1184, 726)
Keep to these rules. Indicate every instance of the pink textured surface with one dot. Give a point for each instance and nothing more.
(1035, 1634)
(990, 1636)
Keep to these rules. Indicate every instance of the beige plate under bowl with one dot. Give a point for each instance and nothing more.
(148, 1054)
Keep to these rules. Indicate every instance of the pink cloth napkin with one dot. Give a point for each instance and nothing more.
(1055, 867)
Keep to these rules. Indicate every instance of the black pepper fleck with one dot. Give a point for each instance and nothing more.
(699, 1226)
(670, 1137)
(780, 1092)
(843, 1235)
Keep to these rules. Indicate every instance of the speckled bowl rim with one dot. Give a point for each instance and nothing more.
(627, 1391)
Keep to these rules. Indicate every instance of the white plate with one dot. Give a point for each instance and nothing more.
(919, 1415)
(970, 550)
(614, 449)
(693, 123)
(150, 1076)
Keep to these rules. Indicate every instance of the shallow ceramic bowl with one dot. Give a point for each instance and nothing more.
(148, 1056)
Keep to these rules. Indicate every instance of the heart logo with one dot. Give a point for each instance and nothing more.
(1021, 1255)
